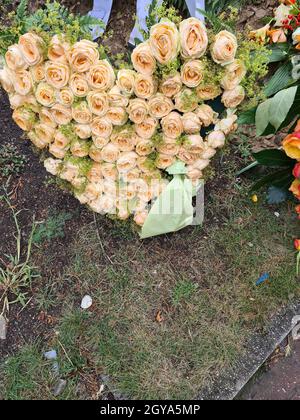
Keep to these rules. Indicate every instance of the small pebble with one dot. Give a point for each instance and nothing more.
(277, 214)
(59, 387)
(86, 302)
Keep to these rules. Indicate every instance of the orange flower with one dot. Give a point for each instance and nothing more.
(260, 34)
(297, 208)
(296, 171)
(297, 244)
(291, 145)
(277, 35)
(295, 188)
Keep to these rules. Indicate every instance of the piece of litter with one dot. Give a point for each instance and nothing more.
(277, 214)
(263, 278)
(3, 328)
(59, 387)
(86, 302)
(51, 355)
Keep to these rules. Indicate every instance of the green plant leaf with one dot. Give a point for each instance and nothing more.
(247, 117)
(279, 52)
(280, 105)
(262, 117)
(273, 158)
(281, 178)
(280, 80)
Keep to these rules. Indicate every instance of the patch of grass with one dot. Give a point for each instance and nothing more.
(12, 162)
(51, 228)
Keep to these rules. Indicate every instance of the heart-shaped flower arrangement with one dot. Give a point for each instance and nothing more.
(114, 134)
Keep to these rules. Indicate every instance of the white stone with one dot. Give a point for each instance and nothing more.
(86, 302)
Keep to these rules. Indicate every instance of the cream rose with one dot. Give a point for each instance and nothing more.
(56, 151)
(59, 49)
(14, 58)
(98, 103)
(145, 86)
(101, 127)
(81, 113)
(117, 115)
(132, 175)
(126, 81)
(216, 139)
(57, 74)
(83, 131)
(137, 110)
(227, 125)
(172, 125)
(79, 85)
(45, 94)
(83, 55)
(40, 143)
(192, 73)
(22, 82)
(143, 60)
(95, 153)
(140, 217)
(95, 173)
(164, 41)
(116, 98)
(101, 76)
(208, 152)
(193, 38)
(109, 171)
(125, 139)
(224, 48)
(61, 141)
(16, 101)
(160, 106)
(171, 85)
(110, 153)
(104, 205)
(201, 164)
(191, 123)
(194, 143)
(38, 72)
(65, 97)
(6, 80)
(46, 117)
(127, 162)
(31, 46)
(100, 142)
(186, 101)
(208, 92)
(206, 114)
(233, 98)
(147, 128)
(80, 148)
(144, 147)
(24, 118)
(187, 156)
(234, 74)
(61, 114)
(168, 147)
(45, 132)
(52, 166)
(194, 173)
(164, 161)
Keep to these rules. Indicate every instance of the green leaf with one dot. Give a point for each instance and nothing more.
(248, 168)
(273, 158)
(280, 106)
(247, 117)
(280, 80)
(277, 178)
(279, 52)
(262, 117)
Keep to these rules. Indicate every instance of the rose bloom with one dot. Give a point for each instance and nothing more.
(61, 114)
(160, 106)
(52, 166)
(224, 48)
(45, 94)
(110, 153)
(69, 171)
(234, 74)
(117, 115)
(277, 36)
(191, 123)
(16, 101)
(81, 113)
(201, 164)
(296, 170)
(109, 171)
(187, 156)
(14, 58)
(206, 115)
(101, 76)
(193, 173)
(103, 205)
(216, 139)
(57, 74)
(143, 60)
(164, 41)
(137, 110)
(22, 82)
(291, 145)
(131, 176)
(79, 85)
(145, 86)
(65, 97)
(147, 128)
(24, 118)
(100, 142)
(208, 152)
(80, 148)
(46, 117)
(233, 98)
(126, 161)
(295, 188)
(95, 153)
(83, 55)
(172, 125)
(116, 98)
(6, 80)
(193, 38)
(227, 125)
(208, 92)
(95, 173)
(297, 244)
(168, 147)
(98, 103)
(125, 140)
(83, 131)
(38, 72)
(194, 144)
(186, 101)
(126, 81)
(38, 142)
(101, 127)
(31, 46)
(144, 147)
(140, 217)
(58, 49)
(45, 132)
(192, 73)
(164, 161)
(56, 151)
(60, 140)
(171, 86)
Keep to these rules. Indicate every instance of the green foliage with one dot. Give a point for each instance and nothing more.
(12, 162)
(52, 228)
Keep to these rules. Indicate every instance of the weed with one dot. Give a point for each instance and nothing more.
(12, 162)
(52, 228)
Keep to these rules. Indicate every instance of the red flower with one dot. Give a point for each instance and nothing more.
(296, 171)
(297, 244)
